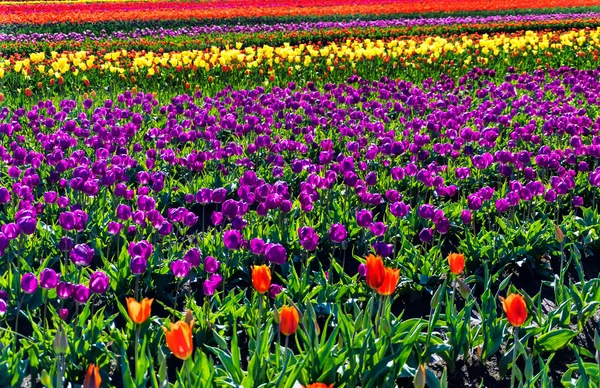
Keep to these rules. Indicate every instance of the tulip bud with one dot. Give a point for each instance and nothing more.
(188, 317)
(60, 343)
(463, 289)
(45, 379)
(479, 351)
(420, 377)
(435, 300)
(560, 236)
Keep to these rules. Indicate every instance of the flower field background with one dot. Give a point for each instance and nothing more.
(299, 194)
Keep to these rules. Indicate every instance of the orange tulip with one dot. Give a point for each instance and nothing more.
(92, 377)
(390, 281)
(288, 320)
(139, 311)
(319, 385)
(457, 263)
(375, 272)
(179, 339)
(261, 278)
(515, 308)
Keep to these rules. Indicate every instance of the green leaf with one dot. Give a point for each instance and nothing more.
(554, 340)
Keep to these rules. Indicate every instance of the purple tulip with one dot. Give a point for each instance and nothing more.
(550, 196)
(29, 283)
(4, 195)
(63, 202)
(211, 284)
(99, 282)
(3, 295)
(466, 216)
(232, 239)
(337, 233)
(378, 229)
(211, 265)
(81, 294)
(274, 290)
(364, 218)
(257, 246)
(309, 239)
(502, 205)
(82, 255)
(138, 265)
(399, 209)
(474, 201)
(216, 218)
(276, 253)
(114, 228)
(48, 278)
(27, 225)
(123, 212)
(362, 269)
(64, 290)
(577, 201)
(383, 249)
(193, 256)
(426, 211)
(190, 219)
(63, 314)
(50, 197)
(165, 228)
(4, 243)
(3, 306)
(142, 248)
(442, 226)
(426, 235)
(11, 231)
(180, 268)
(218, 196)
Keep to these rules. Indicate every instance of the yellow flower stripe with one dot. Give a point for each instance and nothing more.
(350, 52)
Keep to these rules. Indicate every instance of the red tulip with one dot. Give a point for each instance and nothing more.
(515, 308)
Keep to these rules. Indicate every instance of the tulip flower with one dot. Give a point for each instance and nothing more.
(179, 339)
(99, 282)
(390, 281)
(288, 320)
(261, 278)
(375, 271)
(515, 308)
(92, 377)
(29, 283)
(457, 263)
(139, 311)
(319, 385)
(48, 278)
(274, 290)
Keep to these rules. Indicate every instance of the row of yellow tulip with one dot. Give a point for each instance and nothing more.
(431, 49)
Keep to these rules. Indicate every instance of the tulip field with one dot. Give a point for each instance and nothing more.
(288, 194)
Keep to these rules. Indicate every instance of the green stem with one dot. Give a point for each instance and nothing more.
(187, 372)
(259, 326)
(17, 321)
(285, 362)
(45, 301)
(136, 344)
(176, 295)
(378, 315)
(59, 373)
(514, 358)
